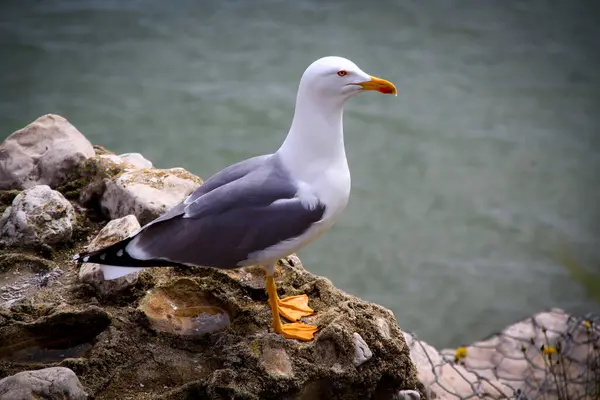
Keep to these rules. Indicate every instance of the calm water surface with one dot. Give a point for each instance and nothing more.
(468, 188)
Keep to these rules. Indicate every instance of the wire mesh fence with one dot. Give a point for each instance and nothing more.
(551, 355)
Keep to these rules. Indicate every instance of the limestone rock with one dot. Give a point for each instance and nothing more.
(47, 383)
(38, 215)
(147, 193)
(136, 159)
(114, 231)
(43, 153)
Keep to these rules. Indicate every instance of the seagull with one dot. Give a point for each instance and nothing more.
(262, 209)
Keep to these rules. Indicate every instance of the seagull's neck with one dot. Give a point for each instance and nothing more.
(316, 138)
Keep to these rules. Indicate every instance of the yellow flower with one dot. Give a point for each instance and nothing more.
(460, 353)
(548, 350)
(587, 324)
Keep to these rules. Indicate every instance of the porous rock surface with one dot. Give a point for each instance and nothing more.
(38, 215)
(47, 383)
(132, 359)
(42, 153)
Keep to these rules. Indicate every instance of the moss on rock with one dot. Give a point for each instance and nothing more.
(90, 176)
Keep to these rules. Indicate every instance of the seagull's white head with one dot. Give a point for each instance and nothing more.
(339, 78)
(315, 142)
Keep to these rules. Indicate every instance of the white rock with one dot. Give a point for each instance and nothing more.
(47, 383)
(362, 352)
(137, 160)
(147, 193)
(408, 395)
(38, 215)
(42, 153)
(113, 232)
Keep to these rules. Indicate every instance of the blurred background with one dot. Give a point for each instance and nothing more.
(476, 195)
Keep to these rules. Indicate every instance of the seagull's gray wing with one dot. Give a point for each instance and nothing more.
(223, 177)
(223, 226)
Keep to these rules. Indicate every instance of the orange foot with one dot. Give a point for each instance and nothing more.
(297, 330)
(294, 307)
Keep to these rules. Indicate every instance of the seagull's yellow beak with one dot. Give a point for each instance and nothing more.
(381, 85)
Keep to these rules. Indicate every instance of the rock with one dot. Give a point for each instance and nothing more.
(276, 361)
(383, 328)
(47, 383)
(42, 153)
(89, 182)
(113, 159)
(408, 395)
(362, 353)
(91, 274)
(188, 332)
(446, 379)
(66, 332)
(147, 193)
(38, 215)
(21, 275)
(254, 362)
(183, 308)
(6, 198)
(516, 356)
(151, 339)
(522, 361)
(137, 160)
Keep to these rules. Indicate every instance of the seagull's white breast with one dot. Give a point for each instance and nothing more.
(331, 187)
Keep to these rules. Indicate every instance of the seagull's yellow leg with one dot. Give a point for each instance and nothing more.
(295, 330)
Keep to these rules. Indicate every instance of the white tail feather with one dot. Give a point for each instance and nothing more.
(114, 272)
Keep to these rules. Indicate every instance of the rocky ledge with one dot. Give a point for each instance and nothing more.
(165, 333)
(171, 333)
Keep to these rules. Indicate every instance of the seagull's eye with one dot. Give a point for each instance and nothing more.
(342, 73)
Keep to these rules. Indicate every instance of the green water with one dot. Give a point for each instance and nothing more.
(467, 188)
